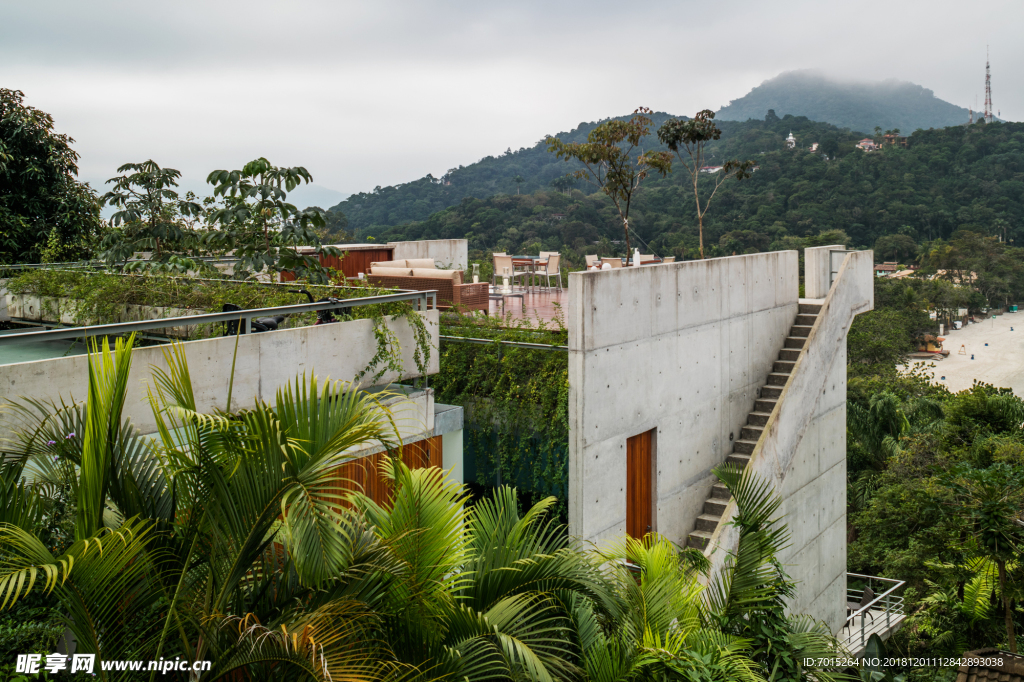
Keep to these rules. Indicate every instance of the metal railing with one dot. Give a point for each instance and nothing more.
(424, 300)
(513, 344)
(888, 606)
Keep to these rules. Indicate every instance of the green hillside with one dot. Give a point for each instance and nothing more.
(416, 200)
(855, 105)
(960, 178)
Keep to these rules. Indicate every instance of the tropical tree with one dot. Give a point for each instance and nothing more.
(226, 539)
(44, 209)
(518, 179)
(611, 163)
(260, 228)
(229, 537)
(989, 503)
(692, 137)
(149, 217)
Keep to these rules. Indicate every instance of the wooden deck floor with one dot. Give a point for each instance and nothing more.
(851, 637)
(538, 306)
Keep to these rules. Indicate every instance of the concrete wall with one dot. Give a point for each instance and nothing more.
(265, 362)
(681, 348)
(817, 271)
(450, 254)
(803, 450)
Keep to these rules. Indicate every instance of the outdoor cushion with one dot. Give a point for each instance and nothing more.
(434, 274)
(420, 263)
(391, 264)
(390, 272)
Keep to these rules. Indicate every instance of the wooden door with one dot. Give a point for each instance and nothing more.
(639, 485)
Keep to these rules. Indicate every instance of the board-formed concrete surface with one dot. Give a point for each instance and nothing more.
(1001, 363)
(682, 348)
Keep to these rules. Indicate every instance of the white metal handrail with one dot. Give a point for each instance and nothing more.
(888, 603)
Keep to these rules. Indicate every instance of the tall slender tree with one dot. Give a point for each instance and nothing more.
(613, 163)
(692, 137)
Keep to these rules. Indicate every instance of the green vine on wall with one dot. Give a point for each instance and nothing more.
(92, 298)
(516, 402)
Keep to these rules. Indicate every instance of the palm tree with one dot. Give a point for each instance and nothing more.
(229, 538)
(518, 179)
(225, 539)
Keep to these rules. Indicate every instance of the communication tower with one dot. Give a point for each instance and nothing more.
(988, 90)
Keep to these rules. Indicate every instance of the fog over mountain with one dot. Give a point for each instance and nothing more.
(857, 105)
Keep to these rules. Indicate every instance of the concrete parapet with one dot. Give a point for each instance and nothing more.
(818, 270)
(448, 253)
(265, 362)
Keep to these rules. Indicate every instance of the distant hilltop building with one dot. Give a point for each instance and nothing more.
(710, 169)
(895, 139)
(791, 141)
(867, 144)
(813, 147)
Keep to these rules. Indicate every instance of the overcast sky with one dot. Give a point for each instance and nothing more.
(382, 92)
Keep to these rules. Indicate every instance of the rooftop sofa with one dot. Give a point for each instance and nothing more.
(420, 274)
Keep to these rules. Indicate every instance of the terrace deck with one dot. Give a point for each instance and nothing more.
(538, 306)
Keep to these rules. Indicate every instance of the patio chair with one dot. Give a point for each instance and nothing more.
(866, 598)
(592, 261)
(668, 259)
(501, 261)
(614, 262)
(550, 268)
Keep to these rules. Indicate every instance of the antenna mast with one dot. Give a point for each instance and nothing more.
(988, 90)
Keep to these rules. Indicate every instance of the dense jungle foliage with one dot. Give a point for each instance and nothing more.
(230, 538)
(962, 178)
(935, 484)
(847, 104)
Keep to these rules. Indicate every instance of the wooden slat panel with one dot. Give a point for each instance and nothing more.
(366, 473)
(639, 502)
(352, 264)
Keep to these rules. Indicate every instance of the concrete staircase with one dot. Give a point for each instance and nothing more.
(750, 434)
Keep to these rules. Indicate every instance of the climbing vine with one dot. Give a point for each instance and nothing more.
(91, 298)
(516, 403)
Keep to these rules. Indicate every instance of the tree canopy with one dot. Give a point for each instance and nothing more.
(44, 209)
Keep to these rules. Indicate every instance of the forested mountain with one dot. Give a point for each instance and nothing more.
(855, 105)
(959, 178)
(416, 200)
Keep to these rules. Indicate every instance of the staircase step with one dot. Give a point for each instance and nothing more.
(719, 492)
(810, 308)
(764, 405)
(758, 418)
(789, 354)
(778, 379)
(783, 366)
(801, 330)
(707, 522)
(698, 539)
(771, 391)
(795, 342)
(738, 459)
(751, 433)
(807, 320)
(742, 446)
(715, 506)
